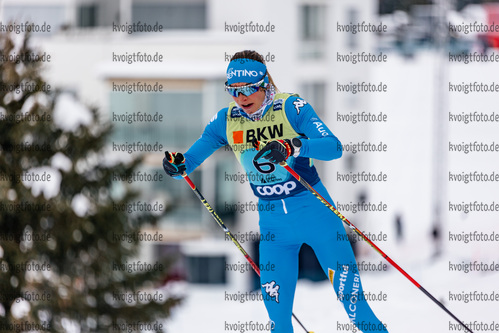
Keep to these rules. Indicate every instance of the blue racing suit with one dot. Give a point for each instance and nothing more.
(298, 217)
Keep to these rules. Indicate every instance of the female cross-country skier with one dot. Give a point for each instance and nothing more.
(292, 132)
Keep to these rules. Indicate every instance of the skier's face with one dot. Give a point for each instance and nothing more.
(251, 103)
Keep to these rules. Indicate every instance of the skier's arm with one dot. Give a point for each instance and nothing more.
(322, 144)
(214, 136)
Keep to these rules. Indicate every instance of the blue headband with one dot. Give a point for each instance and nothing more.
(246, 70)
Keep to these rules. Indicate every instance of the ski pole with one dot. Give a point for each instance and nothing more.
(364, 237)
(227, 231)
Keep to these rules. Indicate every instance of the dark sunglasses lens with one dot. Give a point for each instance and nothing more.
(245, 90)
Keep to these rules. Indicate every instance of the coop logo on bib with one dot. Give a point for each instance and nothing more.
(276, 189)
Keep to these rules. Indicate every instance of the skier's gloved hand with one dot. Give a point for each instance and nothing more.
(174, 163)
(276, 151)
(258, 144)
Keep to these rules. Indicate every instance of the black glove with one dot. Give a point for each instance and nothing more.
(276, 151)
(174, 164)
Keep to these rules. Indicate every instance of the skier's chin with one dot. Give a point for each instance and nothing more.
(248, 107)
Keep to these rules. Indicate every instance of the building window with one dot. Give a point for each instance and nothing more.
(181, 111)
(204, 269)
(179, 129)
(312, 31)
(352, 38)
(228, 180)
(87, 16)
(171, 15)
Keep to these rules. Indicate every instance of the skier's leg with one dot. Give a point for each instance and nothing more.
(334, 252)
(278, 285)
(279, 267)
(338, 262)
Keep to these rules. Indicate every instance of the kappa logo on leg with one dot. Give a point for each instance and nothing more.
(272, 288)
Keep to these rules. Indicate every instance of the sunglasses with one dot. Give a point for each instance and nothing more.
(246, 90)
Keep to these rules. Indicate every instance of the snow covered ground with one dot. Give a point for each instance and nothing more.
(406, 309)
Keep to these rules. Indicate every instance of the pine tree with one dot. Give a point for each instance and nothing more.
(59, 220)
